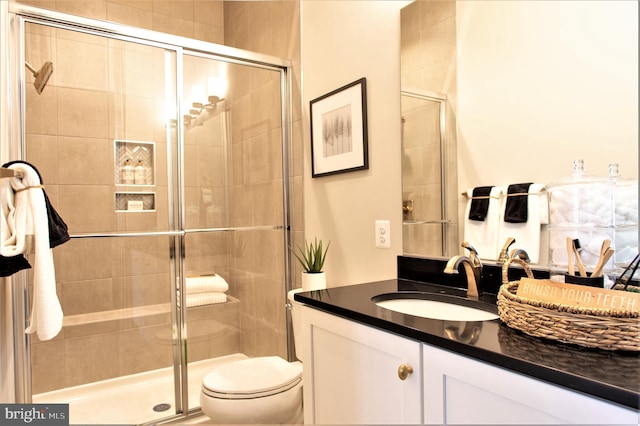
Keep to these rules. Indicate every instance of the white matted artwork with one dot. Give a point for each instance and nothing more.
(339, 130)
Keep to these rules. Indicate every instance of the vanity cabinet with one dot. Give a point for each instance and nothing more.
(351, 377)
(351, 373)
(461, 390)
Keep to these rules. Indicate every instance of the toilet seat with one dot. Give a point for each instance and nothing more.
(252, 378)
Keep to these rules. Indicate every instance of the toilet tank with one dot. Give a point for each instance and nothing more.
(296, 321)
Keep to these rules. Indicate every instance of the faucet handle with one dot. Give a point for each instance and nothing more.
(504, 253)
(473, 254)
(520, 253)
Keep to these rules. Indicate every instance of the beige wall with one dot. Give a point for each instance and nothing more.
(343, 41)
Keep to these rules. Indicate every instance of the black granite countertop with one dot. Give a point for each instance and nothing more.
(612, 376)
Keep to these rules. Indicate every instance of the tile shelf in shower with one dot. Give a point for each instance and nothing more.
(135, 151)
(150, 313)
(135, 202)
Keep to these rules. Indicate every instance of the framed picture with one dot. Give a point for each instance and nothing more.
(339, 130)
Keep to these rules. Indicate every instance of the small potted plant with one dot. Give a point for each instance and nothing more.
(312, 259)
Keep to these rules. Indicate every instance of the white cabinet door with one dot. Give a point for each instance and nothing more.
(351, 373)
(460, 390)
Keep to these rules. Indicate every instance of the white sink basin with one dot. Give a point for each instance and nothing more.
(423, 306)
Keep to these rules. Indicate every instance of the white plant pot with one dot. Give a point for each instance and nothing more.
(314, 281)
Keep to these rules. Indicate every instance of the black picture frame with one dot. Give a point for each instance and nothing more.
(339, 140)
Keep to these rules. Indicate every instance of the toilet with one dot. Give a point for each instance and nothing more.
(256, 390)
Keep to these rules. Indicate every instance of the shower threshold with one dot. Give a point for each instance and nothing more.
(131, 399)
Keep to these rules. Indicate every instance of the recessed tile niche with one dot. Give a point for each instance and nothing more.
(135, 175)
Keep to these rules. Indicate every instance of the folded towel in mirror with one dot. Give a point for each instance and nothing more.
(480, 203)
(516, 207)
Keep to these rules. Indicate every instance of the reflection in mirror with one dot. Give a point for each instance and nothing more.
(428, 228)
(523, 104)
(429, 172)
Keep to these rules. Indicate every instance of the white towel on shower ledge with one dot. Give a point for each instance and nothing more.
(206, 283)
(25, 213)
(210, 298)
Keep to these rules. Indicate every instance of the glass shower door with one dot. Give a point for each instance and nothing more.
(102, 134)
(234, 214)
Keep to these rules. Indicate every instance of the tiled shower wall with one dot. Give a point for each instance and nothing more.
(428, 62)
(86, 282)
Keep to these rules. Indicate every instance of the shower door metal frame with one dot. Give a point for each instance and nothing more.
(441, 100)
(19, 15)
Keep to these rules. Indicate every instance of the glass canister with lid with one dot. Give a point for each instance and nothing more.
(625, 217)
(581, 207)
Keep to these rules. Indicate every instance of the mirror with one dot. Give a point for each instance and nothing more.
(528, 86)
(429, 170)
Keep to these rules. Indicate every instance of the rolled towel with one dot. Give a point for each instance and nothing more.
(480, 203)
(210, 298)
(206, 283)
(515, 210)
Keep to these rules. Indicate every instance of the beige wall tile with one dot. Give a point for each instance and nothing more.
(268, 199)
(80, 297)
(82, 113)
(42, 152)
(129, 13)
(91, 358)
(96, 9)
(44, 4)
(48, 366)
(84, 259)
(81, 65)
(209, 32)
(87, 208)
(138, 4)
(42, 111)
(84, 161)
(173, 25)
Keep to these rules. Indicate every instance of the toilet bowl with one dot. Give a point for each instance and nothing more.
(256, 390)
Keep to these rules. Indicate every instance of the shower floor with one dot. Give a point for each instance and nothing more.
(130, 399)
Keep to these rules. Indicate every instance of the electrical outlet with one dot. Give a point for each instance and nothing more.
(383, 235)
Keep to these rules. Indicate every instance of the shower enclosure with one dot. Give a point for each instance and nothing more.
(207, 128)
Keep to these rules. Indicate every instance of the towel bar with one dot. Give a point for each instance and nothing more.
(9, 173)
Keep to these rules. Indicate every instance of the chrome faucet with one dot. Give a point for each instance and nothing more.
(472, 267)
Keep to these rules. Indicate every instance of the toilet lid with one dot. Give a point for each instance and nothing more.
(252, 377)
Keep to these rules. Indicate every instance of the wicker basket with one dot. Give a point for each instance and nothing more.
(589, 327)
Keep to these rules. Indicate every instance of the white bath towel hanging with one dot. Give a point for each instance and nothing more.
(527, 234)
(25, 213)
(483, 235)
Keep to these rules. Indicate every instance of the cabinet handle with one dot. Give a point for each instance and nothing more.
(404, 371)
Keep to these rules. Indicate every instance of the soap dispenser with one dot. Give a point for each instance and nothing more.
(127, 173)
(139, 174)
